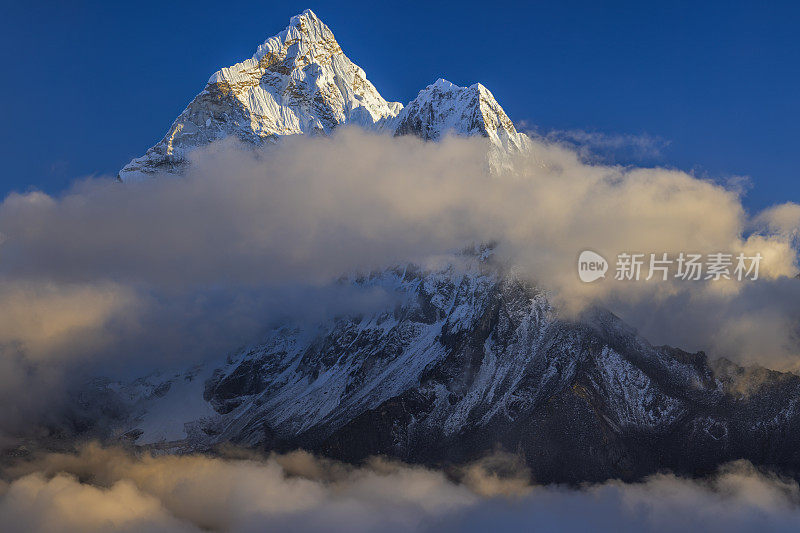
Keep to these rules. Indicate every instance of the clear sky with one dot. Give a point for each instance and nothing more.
(86, 86)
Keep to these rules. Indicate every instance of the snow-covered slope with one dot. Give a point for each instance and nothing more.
(300, 82)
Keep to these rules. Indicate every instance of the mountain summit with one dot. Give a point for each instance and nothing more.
(301, 82)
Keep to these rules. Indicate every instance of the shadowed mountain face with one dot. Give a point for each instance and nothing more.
(472, 357)
(471, 360)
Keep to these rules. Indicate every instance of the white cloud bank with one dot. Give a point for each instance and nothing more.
(176, 270)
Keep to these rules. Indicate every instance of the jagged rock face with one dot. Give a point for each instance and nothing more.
(581, 401)
(298, 81)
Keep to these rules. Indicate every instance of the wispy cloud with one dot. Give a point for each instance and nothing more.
(611, 148)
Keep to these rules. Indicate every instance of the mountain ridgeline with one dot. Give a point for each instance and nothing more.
(474, 360)
(300, 82)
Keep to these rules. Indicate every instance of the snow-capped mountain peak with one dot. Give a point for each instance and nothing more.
(297, 82)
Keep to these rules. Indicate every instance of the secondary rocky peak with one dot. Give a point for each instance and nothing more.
(445, 108)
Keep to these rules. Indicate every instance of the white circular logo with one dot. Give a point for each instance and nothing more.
(591, 266)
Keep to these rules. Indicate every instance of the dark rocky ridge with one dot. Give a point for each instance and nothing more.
(475, 360)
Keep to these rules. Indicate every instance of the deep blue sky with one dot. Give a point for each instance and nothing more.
(88, 85)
